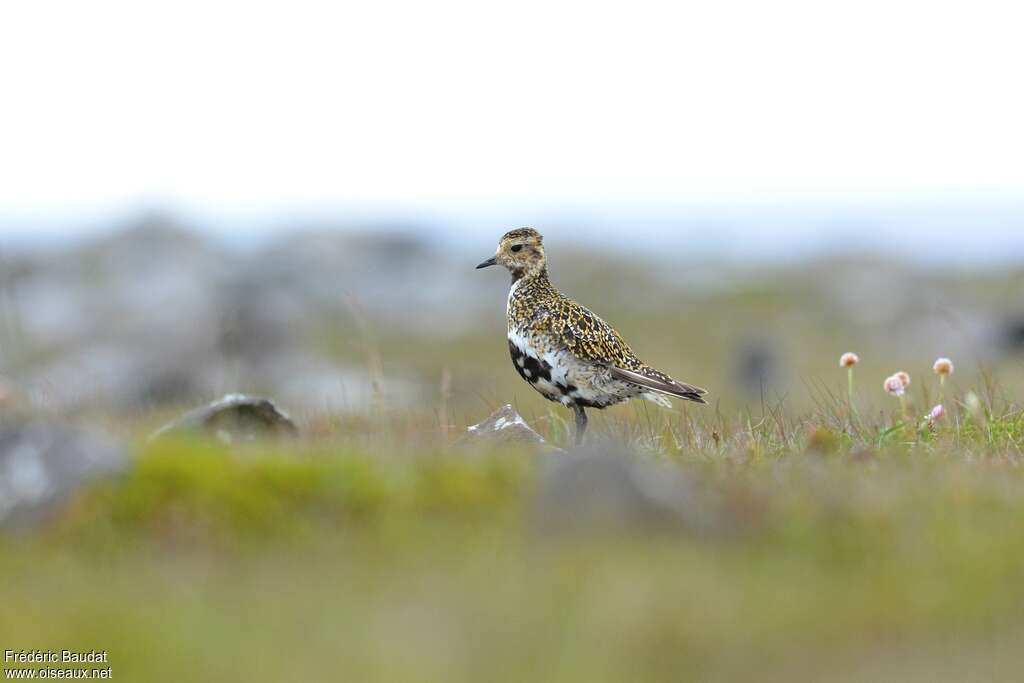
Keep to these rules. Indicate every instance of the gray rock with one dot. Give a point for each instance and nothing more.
(41, 464)
(505, 425)
(233, 418)
(607, 490)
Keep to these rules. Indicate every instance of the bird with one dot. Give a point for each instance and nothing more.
(564, 350)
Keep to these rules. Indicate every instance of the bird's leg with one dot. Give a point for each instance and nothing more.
(581, 423)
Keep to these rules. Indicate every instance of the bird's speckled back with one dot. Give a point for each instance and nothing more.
(536, 309)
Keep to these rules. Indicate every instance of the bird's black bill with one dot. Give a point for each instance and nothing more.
(489, 262)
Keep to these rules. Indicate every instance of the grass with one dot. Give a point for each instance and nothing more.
(852, 548)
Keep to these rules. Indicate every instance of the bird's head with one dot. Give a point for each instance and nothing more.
(521, 251)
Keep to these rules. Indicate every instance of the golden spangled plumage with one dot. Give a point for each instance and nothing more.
(564, 350)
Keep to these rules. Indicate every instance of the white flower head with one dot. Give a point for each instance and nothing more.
(943, 366)
(848, 360)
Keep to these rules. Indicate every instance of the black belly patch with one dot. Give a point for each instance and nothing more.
(529, 368)
(534, 369)
(574, 395)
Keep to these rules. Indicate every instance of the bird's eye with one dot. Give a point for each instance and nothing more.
(517, 247)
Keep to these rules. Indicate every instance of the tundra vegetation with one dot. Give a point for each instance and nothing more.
(817, 521)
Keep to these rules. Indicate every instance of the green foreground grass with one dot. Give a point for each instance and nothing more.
(852, 552)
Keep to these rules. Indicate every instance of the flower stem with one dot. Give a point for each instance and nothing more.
(854, 417)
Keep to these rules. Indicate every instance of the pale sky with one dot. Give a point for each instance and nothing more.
(252, 107)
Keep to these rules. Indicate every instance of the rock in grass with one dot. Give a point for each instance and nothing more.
(234, 418)
(505, 425)
(41, 464)
(607, 489)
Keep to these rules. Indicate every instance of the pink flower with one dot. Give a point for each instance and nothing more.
(904, 378)
(848, 360)
(937, 413)
(894, 385)
(943, 366)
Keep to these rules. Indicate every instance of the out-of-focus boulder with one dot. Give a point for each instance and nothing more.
(607, 490)
(1013, 334)
(234, 418)
(41, 464)
(757, 365)
(505, 425)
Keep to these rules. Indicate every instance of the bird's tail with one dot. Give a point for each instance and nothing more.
(661, 383)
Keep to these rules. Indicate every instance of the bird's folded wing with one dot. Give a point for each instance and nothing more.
(590, 338)
(659, 382)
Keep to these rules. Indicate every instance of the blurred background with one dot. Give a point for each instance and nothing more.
(290, 200)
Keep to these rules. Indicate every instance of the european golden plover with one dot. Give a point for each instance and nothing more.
(564, 350)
